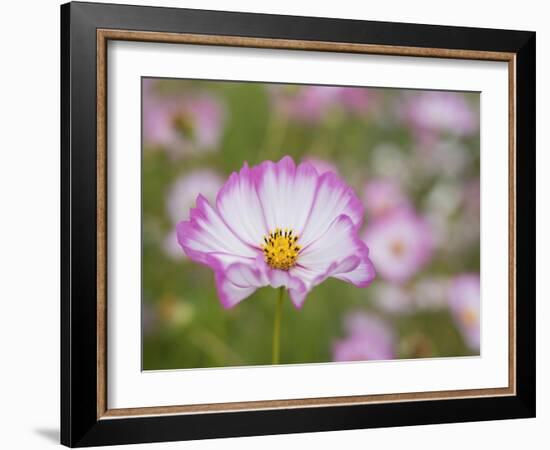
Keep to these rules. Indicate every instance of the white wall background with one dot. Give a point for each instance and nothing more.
(29, 224)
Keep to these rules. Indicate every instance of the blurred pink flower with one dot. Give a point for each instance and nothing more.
(400, 243)
(182, 125)
(464, 299)
(181, 198)
(304, 103)
(320, 165)
(383, 195)
(368, 338)
(311, 104)
(278, 225)
(356, 99)
(439, 111)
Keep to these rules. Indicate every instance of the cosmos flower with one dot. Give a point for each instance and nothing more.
(383, 195)
(464, 299)
(181, 198)
(368, 338)
(278, 225)
(438, 111)
(182, 125)
(400, 244)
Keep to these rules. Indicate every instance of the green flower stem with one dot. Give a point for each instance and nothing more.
(277, 327)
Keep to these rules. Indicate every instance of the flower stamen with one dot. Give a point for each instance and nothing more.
(281, 249)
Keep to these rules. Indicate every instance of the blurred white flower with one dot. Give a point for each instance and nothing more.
(431, 293)
(181, 198)
(447, 157)
(392, 299)
(390, 161)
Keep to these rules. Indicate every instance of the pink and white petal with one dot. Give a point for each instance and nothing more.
(301, 201)
(240, 280)
(285, 192)
(333, 198)
(352, 270)
(296, 287)
(275, 278)
(273, 181)
(282, 278)
(339, 241)
(237, 282)
(348, 264)
(298, 297)
(304, 274)
(205, 232)
(338, 253)
(361, 276)
(335, 269)
(208, 258)
(225, 259)
(239, 207)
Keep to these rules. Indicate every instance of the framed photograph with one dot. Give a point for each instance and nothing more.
(276, 224)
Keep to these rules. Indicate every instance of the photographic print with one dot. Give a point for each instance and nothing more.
(295, 224)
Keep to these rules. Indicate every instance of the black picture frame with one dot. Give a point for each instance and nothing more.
(80, 425)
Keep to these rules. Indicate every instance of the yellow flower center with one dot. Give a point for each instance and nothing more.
(280, 249)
